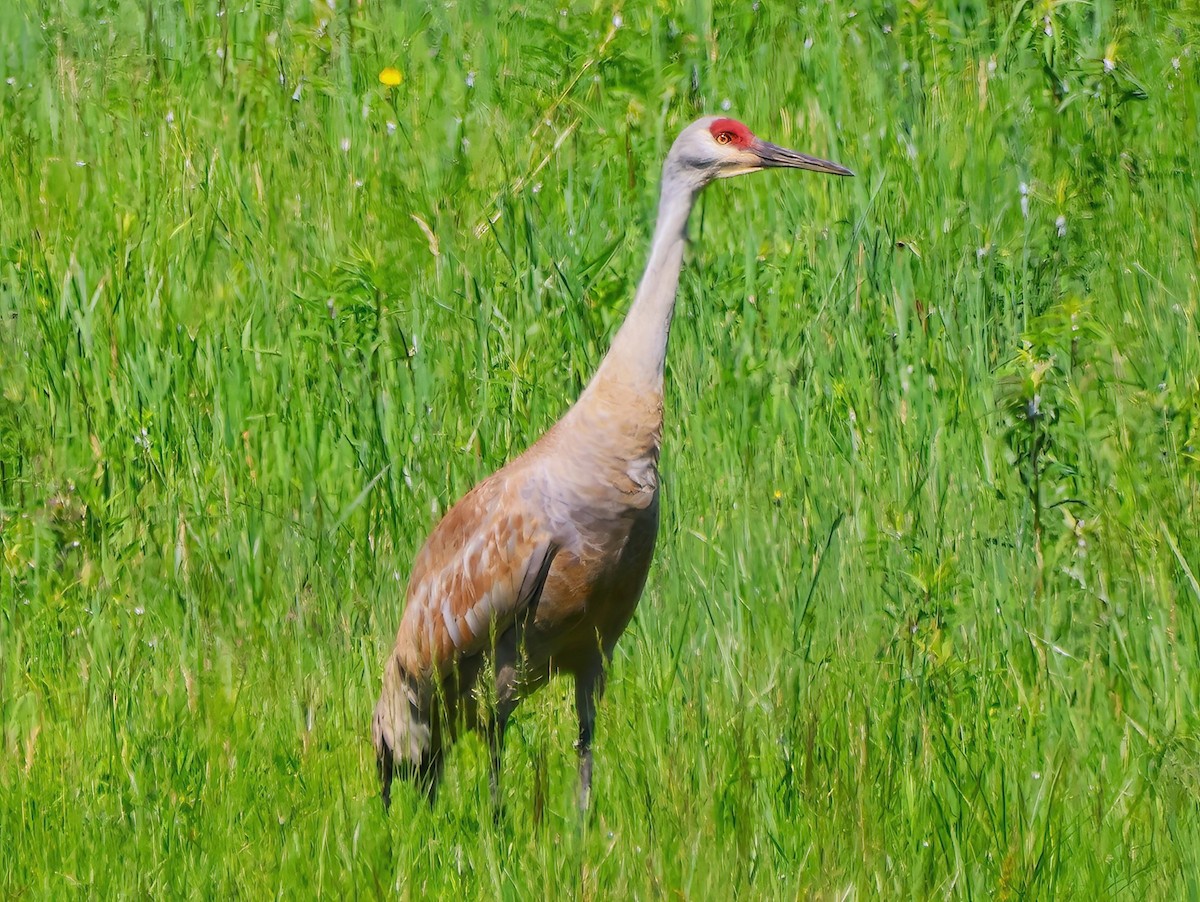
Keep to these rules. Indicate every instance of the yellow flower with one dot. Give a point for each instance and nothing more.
(390, 76)
(778, 497)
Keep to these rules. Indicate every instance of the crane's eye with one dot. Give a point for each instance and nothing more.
(724, 138)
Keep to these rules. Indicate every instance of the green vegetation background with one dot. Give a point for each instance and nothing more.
(923, 620)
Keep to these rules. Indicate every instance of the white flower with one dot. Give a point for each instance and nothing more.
(471, 79)
(1061, 225)
(170, 117)
(391, 127)
(345, 145)
(808, 42)
(1174, 65)
(1109, 65)
(726, 104)
(299, 88)
(618, 21)
(10, 81)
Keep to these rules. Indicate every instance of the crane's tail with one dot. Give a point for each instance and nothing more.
(403, 736)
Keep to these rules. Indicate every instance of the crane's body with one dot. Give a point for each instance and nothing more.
(538, 569)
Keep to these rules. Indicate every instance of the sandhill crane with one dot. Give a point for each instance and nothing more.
(537, 570)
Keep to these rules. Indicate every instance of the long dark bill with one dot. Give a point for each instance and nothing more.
(772, 155)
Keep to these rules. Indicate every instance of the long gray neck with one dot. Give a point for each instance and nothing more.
(639, 349)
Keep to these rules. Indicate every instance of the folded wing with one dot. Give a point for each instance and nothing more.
(481, 567)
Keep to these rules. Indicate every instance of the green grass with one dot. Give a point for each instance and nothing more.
(923, 620)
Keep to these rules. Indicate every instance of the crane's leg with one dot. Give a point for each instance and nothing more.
(429, 776)
(589, 688)
(386, 768)
(506, 676)
(495, 736)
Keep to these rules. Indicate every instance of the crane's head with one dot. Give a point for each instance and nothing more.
(717, 147)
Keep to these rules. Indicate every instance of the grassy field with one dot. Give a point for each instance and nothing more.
(924, 617)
